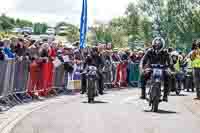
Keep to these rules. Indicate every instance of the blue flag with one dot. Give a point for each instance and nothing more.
(83, 25)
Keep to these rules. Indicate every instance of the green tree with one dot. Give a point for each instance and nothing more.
(60, 24)
(119, 38)
(146, 30)
(72, 33)
(6, 22)
(133, 21)
(23, 23)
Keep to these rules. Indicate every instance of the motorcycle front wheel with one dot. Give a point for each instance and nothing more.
(155, 105)
(155, 96)
(91, 91)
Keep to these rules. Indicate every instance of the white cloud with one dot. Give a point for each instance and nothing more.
(7, 5)
(52, 11)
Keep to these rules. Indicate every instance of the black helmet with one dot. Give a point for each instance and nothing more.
(158, 44)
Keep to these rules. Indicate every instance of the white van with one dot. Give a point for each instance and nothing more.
(62, 30)
(28, 30)
(51, 31)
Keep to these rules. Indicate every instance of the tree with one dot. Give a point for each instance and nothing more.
(119, 38)
(72, 33)
(133, 21)
(23, 23)
(196, 21)
(60, 24)
(177, 21)
(102, 33)
(6, 22)
(146, 30)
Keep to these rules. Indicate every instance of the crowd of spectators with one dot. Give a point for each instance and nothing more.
(50, 50)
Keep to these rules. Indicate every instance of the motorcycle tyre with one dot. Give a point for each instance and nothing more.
(155, 105)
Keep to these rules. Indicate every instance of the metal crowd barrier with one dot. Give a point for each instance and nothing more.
(74, 78)
(107, 75)
(21, 77)
(58, 78)
(22, 80)
(7, 83)
(121, 75)
(114, 71)
(134, 74)
(41, 79)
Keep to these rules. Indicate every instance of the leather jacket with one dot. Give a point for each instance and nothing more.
(151, 57)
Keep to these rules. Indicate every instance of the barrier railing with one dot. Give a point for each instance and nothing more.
(23, 80)
(134, 74)
(121, 74)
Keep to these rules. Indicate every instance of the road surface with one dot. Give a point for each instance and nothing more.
(115, 112)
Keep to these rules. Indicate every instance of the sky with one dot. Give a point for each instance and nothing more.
(53, 11)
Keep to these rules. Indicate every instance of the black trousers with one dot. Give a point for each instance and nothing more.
(83, 83)
(100, 82)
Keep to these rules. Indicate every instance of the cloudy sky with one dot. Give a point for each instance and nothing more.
(52, 11)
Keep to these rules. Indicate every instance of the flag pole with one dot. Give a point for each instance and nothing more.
(83, 25)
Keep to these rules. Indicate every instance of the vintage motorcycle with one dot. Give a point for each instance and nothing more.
(155, 87)
(92, 78)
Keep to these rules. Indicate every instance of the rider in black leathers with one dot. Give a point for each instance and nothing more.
(95, 59)
(155, 55)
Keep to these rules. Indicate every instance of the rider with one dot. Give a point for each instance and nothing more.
(95, 59)
(155, 55)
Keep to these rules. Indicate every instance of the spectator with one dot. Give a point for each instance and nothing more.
(2, 56)
(20, 48)
(7, 50)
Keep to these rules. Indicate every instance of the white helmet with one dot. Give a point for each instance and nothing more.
(174, 53)
(158, 44)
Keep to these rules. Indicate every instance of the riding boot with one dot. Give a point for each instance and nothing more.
(165, 96)
(198, 93)
(143, 93)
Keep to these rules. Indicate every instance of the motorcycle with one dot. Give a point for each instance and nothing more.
(92, 78)
(156, 84)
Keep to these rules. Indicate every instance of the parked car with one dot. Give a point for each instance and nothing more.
(47, 38)
(51, 31)
(62, 30)
(27, 30)
(16, 30)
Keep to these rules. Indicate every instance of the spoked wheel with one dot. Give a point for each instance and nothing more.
(155, 105)
(90, 100)
(155, 96)
(91, 91)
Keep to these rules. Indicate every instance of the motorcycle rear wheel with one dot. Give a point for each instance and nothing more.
(90, 100)
(91, 91)
(155, 105)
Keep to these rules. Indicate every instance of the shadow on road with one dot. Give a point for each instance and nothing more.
(97, 102)
(162, 111)
(181, 95)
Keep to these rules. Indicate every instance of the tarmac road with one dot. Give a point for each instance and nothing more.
(115, 112)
